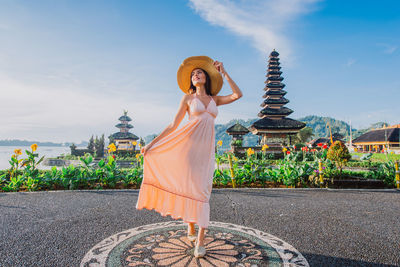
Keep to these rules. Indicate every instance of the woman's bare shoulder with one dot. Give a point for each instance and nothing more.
(187, 98)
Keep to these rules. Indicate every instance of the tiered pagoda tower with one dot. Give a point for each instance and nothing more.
(274, 127)
(123, 139)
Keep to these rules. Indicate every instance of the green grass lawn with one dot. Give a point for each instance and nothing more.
(380, 157)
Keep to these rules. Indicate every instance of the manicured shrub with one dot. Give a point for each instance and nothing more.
(338, 153)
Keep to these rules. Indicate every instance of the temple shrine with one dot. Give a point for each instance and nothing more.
(274, 127)
(379, 140)
(123, 139)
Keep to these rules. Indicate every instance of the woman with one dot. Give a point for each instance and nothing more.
(179, 164)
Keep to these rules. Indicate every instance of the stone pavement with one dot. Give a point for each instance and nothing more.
(248, 226)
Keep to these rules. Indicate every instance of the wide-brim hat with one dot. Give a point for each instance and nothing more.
(203, 62)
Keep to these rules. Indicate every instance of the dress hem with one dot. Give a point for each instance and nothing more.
(176, 206)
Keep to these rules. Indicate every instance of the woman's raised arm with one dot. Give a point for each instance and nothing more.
(236, 93)
(183, 107)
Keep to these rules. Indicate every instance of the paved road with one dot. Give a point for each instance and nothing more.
(329, 227)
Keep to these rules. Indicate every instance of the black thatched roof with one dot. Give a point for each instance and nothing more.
(281, 100)
(276, 111)
(120, 135)
(237, 128)
(274, 78)
(273, 63)
(124, 118)
(274, 54)
(392, 135)
(274, 68)
(122, 125)
(274, 92)
(285, 123)
(275, 85)
(275, 72)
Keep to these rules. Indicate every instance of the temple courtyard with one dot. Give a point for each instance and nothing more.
(249, 227)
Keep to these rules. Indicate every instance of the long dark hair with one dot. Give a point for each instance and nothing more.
(207, 85)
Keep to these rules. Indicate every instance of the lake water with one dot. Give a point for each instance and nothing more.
(46, 151)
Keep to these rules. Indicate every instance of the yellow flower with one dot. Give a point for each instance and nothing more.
(264, 147)
(391, 153)
(137, 155)
(34, 147)
(219, 143)
(235, 158)
(284, 149)
(112, 147)
(134, 143)
(17, 152)
(140, 145)
(250, 151)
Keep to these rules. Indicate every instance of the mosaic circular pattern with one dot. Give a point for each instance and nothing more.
(166, 244)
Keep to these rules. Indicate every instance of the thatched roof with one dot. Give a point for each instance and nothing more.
(284, 111)
(286, 123)
(378, 135)
(237, 129)
(120, 135)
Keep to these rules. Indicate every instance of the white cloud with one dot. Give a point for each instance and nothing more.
(263, 22)
(48, 113)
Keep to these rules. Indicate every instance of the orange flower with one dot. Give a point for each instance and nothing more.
(18, 152)
(111, 148)
(34, 147)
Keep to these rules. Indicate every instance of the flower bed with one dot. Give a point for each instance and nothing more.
(254, 170)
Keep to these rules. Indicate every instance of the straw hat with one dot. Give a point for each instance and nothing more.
(202, 62)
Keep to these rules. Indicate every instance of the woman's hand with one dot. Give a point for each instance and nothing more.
(220, 67)
(145, 149)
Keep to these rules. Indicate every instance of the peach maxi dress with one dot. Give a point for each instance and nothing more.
(178, 170)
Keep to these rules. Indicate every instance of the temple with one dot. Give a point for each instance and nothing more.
(379, 140)
(123, 139)
(237, 131)
(274, 127)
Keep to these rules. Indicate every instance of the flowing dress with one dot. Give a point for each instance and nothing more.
(178, 169)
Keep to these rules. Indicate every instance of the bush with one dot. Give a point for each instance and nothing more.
(338, 153)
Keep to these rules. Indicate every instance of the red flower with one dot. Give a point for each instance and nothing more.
(113, 156)
(313, 150)
(325, 146)
(288, 152)
(320, 144)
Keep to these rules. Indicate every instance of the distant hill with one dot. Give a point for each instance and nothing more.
(317, 123)
(320, 129)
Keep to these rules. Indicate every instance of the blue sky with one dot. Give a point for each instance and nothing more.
(68, 69)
